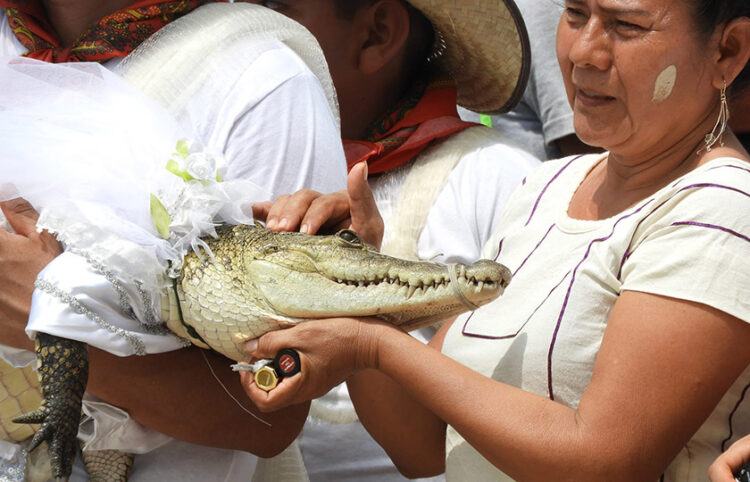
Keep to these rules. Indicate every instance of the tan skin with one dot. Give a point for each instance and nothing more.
(647, 395)
(174, 393)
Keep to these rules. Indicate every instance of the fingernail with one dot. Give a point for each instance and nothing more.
(251, 345)
(304, 229)
(284, 224)
(365, 169)
(271, 223)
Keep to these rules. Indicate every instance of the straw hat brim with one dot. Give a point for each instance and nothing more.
(484, 46)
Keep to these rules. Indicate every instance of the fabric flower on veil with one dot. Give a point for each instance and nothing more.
(191, 195)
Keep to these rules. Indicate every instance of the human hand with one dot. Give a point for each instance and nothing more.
(23, 255)
(310, 211)
(330, 351)
(731, 461)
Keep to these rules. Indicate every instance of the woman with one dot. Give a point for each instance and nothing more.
(618, 352)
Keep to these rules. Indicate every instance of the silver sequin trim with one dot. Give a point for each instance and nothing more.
(14, 470)
(79, 308)
(153, 324)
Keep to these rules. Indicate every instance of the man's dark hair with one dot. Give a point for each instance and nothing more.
(419, 45)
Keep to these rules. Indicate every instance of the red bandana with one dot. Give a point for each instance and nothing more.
(115, 35)
(428, 113)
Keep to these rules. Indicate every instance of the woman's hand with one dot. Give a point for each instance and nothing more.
(310, 211)
(23, 255)
(330, 350)
(731, 461)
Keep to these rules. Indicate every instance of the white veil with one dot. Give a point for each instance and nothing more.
(88, 151)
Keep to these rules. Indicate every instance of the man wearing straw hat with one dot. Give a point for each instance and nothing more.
(399, 69)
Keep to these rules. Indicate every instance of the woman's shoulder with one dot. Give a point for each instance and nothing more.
(714, 194)
(730, 170)
(715, 182)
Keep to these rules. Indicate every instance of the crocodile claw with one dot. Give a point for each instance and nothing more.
(63, 372)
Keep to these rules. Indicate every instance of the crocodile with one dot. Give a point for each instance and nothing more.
(248, 281)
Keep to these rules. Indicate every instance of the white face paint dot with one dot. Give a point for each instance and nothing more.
(664, 84)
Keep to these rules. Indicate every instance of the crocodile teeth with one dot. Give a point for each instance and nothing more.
(480, 285)
(410, 293)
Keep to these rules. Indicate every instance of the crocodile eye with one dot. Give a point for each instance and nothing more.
(349, 236)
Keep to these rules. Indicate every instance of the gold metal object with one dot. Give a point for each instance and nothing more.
(266, 378)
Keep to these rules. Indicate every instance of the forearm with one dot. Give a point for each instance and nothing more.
(514, 429)
(176, 393)
(412, 436)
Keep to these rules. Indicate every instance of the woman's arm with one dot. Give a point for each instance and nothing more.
(417, 447)
(663, 366)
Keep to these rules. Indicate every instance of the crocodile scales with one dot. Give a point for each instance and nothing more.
(253, 281)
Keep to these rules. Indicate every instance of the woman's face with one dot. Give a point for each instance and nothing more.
(635, 71)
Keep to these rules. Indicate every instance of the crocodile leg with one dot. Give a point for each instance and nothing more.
(63, 369)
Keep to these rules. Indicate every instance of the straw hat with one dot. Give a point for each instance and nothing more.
(484, 46)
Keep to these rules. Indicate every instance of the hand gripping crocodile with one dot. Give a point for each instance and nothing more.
(94, 186)
(255, 281)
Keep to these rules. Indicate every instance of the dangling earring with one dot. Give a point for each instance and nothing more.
(717, 133)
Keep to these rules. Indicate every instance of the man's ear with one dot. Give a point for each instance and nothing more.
(387, 24)
(734, 50)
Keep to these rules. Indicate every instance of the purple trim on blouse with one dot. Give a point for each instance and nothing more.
(567, 296)
(628, 251)
(534, 250)
(549, 183)
(499, 249)
(731, 415)
(731, 166)
(712, 226)
(512, 335)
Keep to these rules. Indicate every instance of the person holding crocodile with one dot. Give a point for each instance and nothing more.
(383, 87)
(618, 351)
(154, 389)
(399, 67)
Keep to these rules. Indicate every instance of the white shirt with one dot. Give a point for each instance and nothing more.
(275, 128)
(543, 334)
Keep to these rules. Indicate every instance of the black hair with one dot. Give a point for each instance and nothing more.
(419, 45)
(710, 14)
(347, 8)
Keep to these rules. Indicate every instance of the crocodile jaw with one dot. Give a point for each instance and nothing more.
(415, 295)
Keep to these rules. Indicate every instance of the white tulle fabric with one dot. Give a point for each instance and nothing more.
(88, 151)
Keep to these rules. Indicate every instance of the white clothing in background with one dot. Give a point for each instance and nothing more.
(689, 241)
